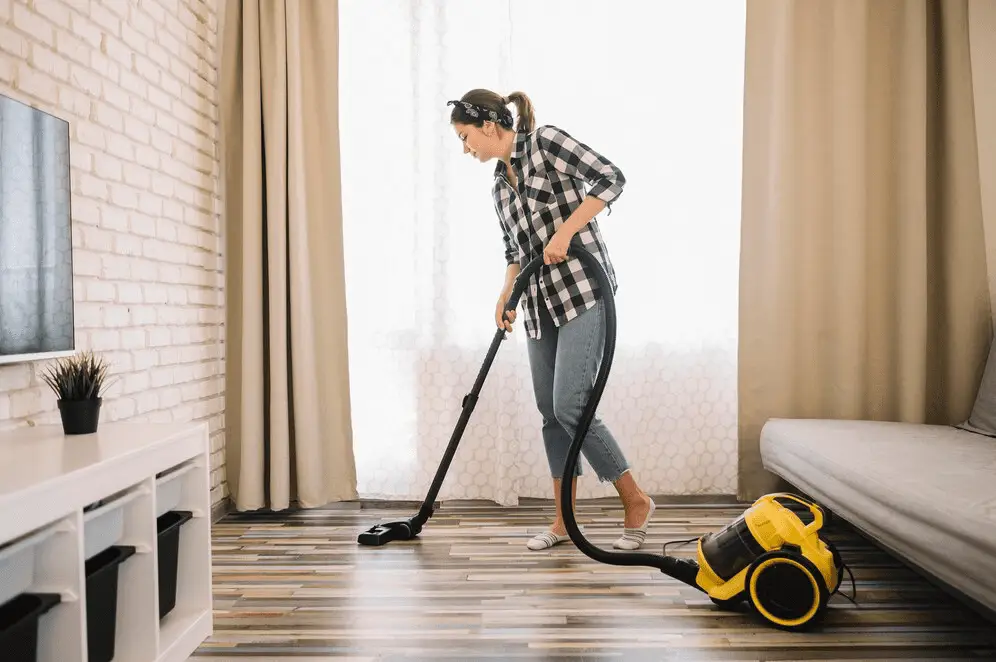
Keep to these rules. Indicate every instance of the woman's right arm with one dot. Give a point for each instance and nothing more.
(511, 273)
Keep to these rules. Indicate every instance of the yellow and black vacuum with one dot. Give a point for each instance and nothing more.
(768, 558)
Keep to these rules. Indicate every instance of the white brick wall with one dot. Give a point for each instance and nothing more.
(138, 82)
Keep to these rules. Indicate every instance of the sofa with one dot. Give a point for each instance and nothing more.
(925, 493)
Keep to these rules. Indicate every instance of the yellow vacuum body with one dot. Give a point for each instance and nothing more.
(770, 558)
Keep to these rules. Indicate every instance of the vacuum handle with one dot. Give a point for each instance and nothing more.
(817, 512)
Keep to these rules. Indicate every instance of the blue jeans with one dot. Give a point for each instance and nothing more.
(564, 363)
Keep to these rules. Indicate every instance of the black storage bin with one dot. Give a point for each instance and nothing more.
(19, 618)
(102, 601)
(168, 548)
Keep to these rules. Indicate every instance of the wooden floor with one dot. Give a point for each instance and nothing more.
(298, 587)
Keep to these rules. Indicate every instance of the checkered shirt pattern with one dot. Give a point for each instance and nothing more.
(551, 170)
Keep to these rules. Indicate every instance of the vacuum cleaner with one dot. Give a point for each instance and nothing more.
(768, 558)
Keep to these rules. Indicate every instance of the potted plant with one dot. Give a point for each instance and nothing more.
(79, 383)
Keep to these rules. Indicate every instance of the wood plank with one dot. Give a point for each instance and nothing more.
(297, 586)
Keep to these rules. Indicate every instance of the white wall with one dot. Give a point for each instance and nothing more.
(982, 34)
(137, 81)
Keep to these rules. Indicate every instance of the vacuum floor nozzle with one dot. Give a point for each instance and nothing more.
(381, 534)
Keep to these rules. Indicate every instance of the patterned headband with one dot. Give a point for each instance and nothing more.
(504, 119)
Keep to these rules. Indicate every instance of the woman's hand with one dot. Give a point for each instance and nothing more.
(500, 308)
(556, 250)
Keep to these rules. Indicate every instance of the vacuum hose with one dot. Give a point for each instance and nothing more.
(684, 570)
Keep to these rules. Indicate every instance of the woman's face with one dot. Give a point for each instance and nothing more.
(480, 142)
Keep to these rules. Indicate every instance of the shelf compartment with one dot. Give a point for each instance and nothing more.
(17, 562)
(170, 487)
(189, 615)
(169, 530)
(20, 623)
(137, 622)
(102, 582)
(57, 570)
(104, 525)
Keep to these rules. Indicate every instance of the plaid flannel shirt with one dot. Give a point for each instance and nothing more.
(551, 169)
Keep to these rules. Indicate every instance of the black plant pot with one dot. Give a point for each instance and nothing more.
(80, 416)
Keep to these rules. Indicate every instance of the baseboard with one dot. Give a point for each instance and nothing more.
(662, 500)
(220, 509)
(401, 504)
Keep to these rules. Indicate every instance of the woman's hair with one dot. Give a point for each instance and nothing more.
(491, 101)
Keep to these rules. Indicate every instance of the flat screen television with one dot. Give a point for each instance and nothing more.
(36, 242)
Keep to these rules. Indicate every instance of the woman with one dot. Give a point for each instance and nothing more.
(541, 204)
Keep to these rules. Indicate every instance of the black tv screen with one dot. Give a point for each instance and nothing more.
(36, 243)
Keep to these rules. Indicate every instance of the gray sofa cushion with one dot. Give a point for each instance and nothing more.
(983, 417)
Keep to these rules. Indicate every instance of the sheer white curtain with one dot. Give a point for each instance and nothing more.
(655, 87)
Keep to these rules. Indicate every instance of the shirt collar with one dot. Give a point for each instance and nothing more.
(518, 150)
(519, 147)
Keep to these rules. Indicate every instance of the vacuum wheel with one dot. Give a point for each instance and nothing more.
(787, 590)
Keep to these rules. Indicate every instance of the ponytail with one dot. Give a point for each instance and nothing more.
(524, 109)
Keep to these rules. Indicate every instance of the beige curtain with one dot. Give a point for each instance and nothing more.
(863, 270)
(982, 35)
(288, 416)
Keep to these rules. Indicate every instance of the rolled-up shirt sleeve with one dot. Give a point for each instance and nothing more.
(575, 159)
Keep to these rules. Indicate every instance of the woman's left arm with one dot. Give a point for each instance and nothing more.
(582, 215)
(575, 159)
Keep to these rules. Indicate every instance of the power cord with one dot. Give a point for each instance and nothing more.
(678, 542)
(854, 588)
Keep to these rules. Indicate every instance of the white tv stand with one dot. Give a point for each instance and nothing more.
(47, 531)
